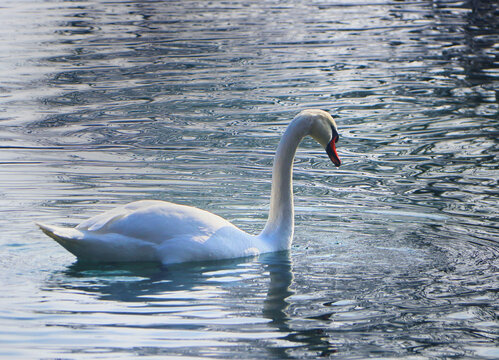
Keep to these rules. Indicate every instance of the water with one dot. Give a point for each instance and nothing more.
(395, 253)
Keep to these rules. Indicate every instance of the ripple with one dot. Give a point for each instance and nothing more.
(395, 253)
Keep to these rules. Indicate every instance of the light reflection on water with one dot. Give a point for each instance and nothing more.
(395, 253)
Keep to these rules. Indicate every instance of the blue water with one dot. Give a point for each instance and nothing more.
(395, 253)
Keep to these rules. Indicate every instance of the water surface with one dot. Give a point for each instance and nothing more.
(395, 253)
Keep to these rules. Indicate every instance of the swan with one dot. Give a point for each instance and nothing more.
(160, 231)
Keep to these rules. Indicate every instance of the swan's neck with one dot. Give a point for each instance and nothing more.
(278, 231)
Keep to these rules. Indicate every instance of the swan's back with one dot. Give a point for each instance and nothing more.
(154, 221)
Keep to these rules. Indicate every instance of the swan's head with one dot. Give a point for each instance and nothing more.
(323, 129)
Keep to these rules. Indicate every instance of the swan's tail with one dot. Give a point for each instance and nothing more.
(90, 246)
(66, 237)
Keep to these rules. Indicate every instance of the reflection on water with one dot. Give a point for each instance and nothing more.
(395, 253)
(166, 303)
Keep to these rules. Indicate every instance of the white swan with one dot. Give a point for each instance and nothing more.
(152, 230)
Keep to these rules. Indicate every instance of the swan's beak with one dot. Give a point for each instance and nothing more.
(331, 151)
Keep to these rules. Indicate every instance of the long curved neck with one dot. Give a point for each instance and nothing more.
(278, 231)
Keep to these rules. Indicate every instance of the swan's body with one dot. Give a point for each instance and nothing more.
(152, 230)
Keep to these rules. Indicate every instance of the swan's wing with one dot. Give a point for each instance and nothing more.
(99, 222)
(154, 221)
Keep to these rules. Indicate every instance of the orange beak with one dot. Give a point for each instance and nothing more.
(331, 151)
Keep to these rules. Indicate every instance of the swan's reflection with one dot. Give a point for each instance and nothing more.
(155, 285)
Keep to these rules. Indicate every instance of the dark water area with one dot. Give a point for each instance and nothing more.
(396, 252)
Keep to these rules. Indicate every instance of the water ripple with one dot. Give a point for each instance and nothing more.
(395, 253)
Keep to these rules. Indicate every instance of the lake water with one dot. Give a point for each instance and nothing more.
(396, 253)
